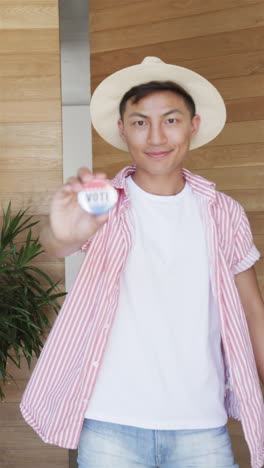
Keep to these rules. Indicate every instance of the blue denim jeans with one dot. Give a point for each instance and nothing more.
(107, 445)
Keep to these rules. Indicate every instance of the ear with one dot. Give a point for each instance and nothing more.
(196, 120)
(120, 124)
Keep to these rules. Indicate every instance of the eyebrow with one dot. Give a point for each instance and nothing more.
(143, 116)
(173, 111)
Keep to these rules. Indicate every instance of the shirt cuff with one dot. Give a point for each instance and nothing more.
(247, 262)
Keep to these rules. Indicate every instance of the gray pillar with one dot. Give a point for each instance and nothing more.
(76, 127)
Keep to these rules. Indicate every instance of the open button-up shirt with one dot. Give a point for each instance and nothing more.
(58, 393)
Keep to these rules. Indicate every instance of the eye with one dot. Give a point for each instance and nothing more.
(171, 120)
(140, 123)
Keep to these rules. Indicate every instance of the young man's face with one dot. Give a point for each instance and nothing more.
(158, 130)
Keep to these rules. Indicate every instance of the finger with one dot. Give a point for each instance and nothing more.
(71, 180)
(84, 175)
(73, 184)
(100, 175)
(101, 219)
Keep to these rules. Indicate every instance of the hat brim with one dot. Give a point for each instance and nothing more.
(106, 98)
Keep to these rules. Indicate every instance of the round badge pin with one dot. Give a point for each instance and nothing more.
(97, 197)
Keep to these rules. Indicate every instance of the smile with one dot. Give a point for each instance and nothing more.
(158, 154)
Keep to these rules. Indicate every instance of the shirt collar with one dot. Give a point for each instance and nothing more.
(199, 184)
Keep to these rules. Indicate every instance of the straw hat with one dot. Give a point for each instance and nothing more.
(106, 98)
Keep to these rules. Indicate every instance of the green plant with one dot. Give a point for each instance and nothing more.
(24, 300)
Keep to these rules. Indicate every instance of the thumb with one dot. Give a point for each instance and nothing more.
(101, 219)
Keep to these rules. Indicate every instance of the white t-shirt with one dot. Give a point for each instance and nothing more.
(163, 366)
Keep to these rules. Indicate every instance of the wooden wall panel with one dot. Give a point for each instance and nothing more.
(33, 156)
(30, 168)
(29, 15)
(26, 134)
(244, 64)
(219, 47)
(105, 16)
(222, 40)
(123, 8)
(220, 21)
(248, 109)
(30, 111)
(26, 64)
(29, 40)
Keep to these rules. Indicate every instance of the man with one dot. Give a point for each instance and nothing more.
(169, 271)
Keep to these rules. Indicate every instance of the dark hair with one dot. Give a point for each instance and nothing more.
(140, 91)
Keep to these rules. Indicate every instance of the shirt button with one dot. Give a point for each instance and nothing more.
(95, 363)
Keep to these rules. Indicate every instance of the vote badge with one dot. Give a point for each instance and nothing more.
(97, 197)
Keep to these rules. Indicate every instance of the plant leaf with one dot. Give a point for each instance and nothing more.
(24, 301)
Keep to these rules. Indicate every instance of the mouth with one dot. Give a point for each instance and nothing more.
(158, 154)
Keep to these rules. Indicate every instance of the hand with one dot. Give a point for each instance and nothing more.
(70, 226)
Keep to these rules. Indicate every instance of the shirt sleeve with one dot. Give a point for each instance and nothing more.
(246, 253)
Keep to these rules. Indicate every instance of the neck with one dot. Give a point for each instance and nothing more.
(165, 184)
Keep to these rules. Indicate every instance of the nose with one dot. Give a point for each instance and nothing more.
(156, 135)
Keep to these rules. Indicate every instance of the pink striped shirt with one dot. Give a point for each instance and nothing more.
(58, 393)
